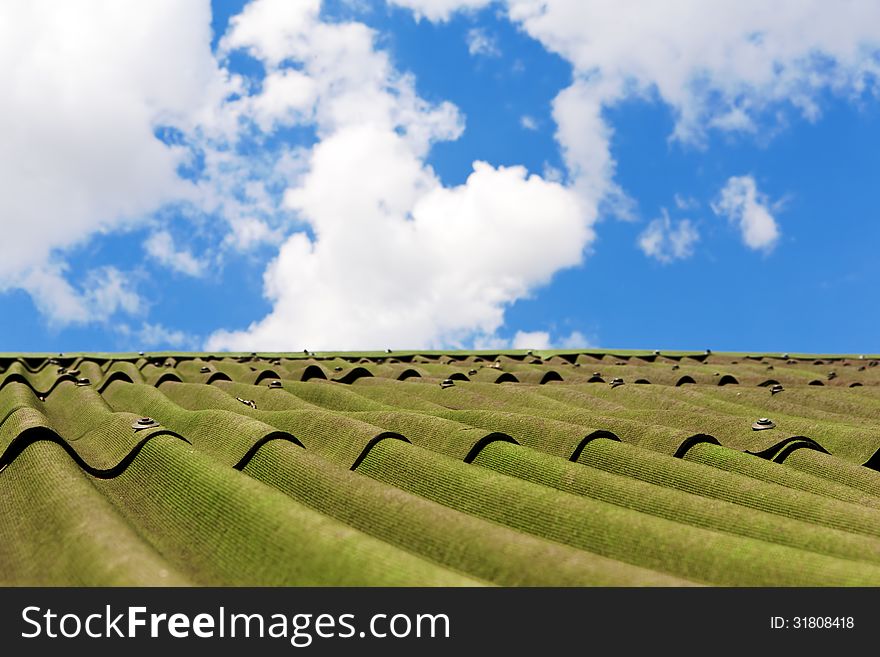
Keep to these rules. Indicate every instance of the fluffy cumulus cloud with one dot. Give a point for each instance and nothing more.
(533, 340)
(151, 335)
(667, 240)
(104, 291)
(102, 130)
(481, 43)
(160, 246)
(440, 10)
(749, 210)
(727, 66)
(84, 87)
(528, 122)
(398, 259)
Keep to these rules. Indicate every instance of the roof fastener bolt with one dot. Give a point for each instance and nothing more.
(447, 383)
(596, 374)
(785, 356)
(777, 387)
(616, 382)
(675, 367)
(763, 423)
(832, 375)
(656, 352)
(275, 384)
(471, 372)
(144, 423)
(338, 368)
(204, 369)
(83, 382)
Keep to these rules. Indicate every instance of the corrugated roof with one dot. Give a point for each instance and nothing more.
(440, 469)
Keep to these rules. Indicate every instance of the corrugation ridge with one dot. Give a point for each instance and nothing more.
(694, 440)
(679, 506)
(111, 377)
(222, 434)
(606, 529)
(48, 501)
(35, 434)
(714, 483)
(275, 435)
(375, 441)
(171, 494)
(483, 442)
(19, 378)
(774, 449)
(801, 444)
(779, 473)
(599, 433)
(454, 539)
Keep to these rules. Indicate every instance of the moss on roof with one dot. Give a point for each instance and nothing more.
(519, 468)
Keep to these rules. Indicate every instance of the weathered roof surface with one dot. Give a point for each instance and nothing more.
(440, 469)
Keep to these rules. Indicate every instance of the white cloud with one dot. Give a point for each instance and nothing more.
(248, 232)
(748, 209)
(481, 43)
(744, 56)
(160, 245)
(686, 202)
(528, 122)
(575, 340)
(440, 10)
(531, 340)
(84, 85)
(666, 240)
(105, 291)
(398, 259)
(287, 97)
(156, 335)
(424, 266)
(724, 65)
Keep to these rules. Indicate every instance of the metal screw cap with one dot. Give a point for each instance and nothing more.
(144, 423)
(763, 423)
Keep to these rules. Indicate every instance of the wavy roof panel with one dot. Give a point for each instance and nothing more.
(440, 469)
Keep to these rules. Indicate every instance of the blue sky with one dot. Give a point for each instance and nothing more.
(673, 203)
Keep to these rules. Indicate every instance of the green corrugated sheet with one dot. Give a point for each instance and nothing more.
(439, 469)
